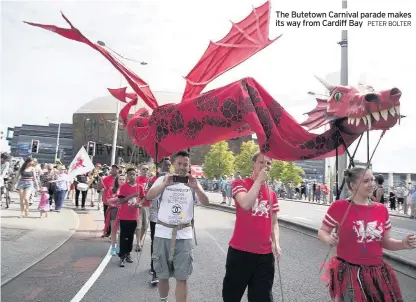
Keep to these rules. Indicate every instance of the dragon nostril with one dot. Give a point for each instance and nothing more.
(371, 97)
(394, 91)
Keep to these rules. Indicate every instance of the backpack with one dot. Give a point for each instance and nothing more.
(193, 204)
(193, 211)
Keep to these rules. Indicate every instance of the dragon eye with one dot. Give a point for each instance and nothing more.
(337, 96)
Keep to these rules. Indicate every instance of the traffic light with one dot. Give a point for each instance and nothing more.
(35, 146)
(91, 148)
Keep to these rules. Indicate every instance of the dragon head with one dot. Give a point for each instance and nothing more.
(356, 110)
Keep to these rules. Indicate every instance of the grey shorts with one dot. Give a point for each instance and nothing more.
(113, 213)
(182, 259)
(112, 222)
(143, 219)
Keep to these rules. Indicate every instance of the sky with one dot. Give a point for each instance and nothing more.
(46, 78)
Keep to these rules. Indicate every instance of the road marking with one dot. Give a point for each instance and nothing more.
(87, 286)
(216, 243)
(303, 218)
(401, 231)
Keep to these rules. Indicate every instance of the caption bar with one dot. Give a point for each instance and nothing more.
(296, 19)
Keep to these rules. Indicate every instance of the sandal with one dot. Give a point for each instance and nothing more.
(138, 248)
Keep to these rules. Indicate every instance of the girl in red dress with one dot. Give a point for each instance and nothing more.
(358, 272)
(112, 211)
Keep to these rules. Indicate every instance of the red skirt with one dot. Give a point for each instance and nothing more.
(361, 283)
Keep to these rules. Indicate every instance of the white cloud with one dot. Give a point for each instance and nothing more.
(46, 75)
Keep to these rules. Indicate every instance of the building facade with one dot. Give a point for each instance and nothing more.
(95, 121)
(314, 169)
(47, 136)
(395, 179)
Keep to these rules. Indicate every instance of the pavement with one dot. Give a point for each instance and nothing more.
(31, 238)
(81, 270)
(310, 216)
(391, 213)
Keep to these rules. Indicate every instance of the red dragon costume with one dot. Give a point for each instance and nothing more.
(243, 107)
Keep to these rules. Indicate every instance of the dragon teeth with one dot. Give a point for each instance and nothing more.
(384, 113)
(364, 120)
(392, 111)
(376, 116)
(368, 117)
(397, 108)
(357, 121)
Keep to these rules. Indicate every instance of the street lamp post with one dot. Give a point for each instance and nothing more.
(57, 142)
(114, 148)
(342, 160)
(57, 139)
(115, 134)
(314, 93)
(326, 128)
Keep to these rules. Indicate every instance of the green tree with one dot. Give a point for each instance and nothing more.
(292, 174)
(243, 159)
(277, 170)
(219, 161)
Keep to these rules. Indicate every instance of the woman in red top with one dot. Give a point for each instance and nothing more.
(112, 211)
(358, 272)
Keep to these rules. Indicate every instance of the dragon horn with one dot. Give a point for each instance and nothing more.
(326, 84)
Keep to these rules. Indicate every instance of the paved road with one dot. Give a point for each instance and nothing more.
(31, 238)
(311, 214)
(61, 275)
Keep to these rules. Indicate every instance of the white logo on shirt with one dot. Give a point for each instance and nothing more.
(369, 234)
(260, 208)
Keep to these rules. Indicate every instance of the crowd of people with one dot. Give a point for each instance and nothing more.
(133, 199)
(51, 181)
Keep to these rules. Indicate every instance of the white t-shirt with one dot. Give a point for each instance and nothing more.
(176, 207)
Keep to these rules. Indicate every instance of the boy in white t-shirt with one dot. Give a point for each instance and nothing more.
(177, 194)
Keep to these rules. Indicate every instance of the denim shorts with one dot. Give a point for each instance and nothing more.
(24, 185)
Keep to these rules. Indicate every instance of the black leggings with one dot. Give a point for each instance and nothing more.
(152, 235)
(51, 193)
(83, 198)
(127, 230)
(250, 270)
(106, 208)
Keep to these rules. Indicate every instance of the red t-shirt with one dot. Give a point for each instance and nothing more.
(357, 245)
(108, 183)
(128, 211)
(253, 228)
(143, 180)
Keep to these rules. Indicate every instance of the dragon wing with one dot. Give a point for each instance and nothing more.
(244, 40)
(136, 83)
(121, 94)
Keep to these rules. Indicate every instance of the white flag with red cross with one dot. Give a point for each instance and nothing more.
(81, 164)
